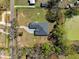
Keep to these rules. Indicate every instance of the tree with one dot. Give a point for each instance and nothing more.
(58, 39)
(46, 49)
(52, 3)
(70, 13)
(51, 16)
(40, 51)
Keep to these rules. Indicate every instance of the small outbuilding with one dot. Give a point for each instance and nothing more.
(31, 2)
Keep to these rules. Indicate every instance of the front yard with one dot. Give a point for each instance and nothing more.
(31, 15)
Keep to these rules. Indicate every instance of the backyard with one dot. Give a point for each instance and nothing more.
(72, 28)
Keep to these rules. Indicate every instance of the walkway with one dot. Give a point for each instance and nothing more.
(20, 6)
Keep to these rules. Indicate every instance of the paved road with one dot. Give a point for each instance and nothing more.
(12, 35)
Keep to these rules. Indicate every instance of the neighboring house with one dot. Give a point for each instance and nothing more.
(31, 2)
(77, 2)
(71, 5)
(41, 29)
(44, 5)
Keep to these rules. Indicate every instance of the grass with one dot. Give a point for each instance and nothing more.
(25, 2)
(72, 28)
(21, 2)
(75, 56)
(7, 41)
(0, 17)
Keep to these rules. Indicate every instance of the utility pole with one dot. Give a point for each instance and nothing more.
(12, 32)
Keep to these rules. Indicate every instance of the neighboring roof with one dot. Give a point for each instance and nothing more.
(77, 2)
(41, 29)
(43, 4)
(32, 1)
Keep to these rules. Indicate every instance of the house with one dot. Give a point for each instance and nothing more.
(41, 29)
(71, 5)
(31, 2)
(77, 2)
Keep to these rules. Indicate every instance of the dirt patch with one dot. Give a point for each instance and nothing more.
(29, 40)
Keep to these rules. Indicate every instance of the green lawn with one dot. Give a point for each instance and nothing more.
(35, 14)
(25, 2)
(72, 28)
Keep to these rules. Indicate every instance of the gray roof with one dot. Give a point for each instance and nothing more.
(41, 29)
(44, 5)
